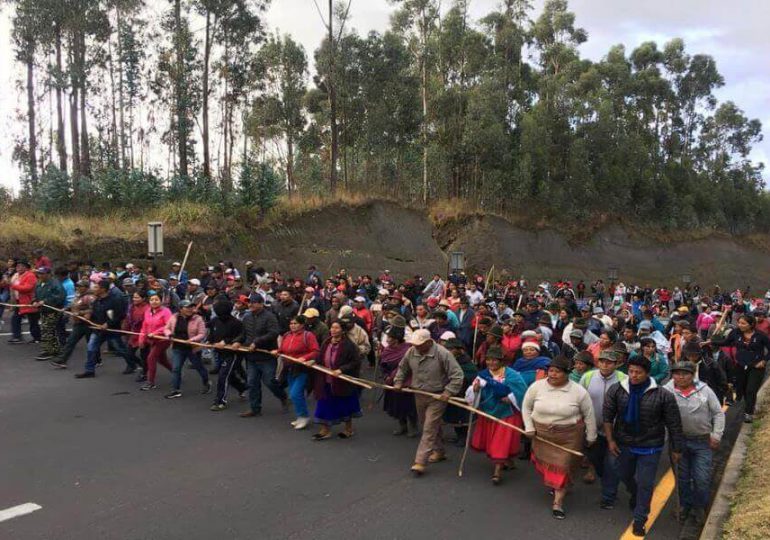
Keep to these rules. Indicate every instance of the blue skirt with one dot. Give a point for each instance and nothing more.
(333, 410)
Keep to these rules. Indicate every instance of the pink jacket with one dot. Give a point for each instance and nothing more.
(154, 323)
(196, 328)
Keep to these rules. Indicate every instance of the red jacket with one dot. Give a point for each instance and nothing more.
(366, 316)
(25, 290)
(302, 345)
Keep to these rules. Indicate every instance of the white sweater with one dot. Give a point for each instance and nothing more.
(563, 405)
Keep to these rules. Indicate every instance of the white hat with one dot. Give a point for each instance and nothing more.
(176, 263)
(447, 335)
(383, 292)
(359, 299)
(345, 310)
(129, 266)
(195, 281)
(530, 344)
(419, 337)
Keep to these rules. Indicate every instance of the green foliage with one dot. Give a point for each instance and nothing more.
(258, 186)
(53, 193)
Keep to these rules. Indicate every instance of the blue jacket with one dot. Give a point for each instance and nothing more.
(494, 391)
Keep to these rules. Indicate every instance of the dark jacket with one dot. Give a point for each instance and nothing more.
(348, 361)
(111, 310)
(284, 313)
(261, 330)
(224, 327)
(658, 412)
(50, 293)
(751, 353)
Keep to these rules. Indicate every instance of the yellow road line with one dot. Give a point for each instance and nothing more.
(660, 497)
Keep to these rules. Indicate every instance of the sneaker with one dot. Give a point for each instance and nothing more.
(748, 418)
(638, 529)
(45, 357)
(173, 395)
(59, 364)
(85, 375)
(607, 505)
(33, 342)
(99, 363)
(216, 407)
(418, 469)
(129, 370)
(302, 423)
(207, 388)
(148, 386)
(15, 341)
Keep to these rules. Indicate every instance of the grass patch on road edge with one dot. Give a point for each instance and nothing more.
(750, 509)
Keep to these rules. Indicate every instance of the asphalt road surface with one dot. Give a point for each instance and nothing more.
(106, 461)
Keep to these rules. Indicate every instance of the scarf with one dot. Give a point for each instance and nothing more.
(636, 391)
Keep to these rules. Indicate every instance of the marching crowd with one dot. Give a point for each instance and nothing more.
(612, 372)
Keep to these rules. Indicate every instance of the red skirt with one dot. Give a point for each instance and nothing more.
(499, 442)
(552, 477)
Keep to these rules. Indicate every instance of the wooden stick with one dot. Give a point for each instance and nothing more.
(363, 383)
(476, 401)
(184, 261)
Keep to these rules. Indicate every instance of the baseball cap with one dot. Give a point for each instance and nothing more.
(419, 337)
(311, 313)
(185, 303)
(195, 281)
(43, 270)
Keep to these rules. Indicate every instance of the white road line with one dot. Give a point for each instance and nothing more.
(10, 334)
(16, 511)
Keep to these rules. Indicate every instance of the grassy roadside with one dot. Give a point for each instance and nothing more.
(750, 510)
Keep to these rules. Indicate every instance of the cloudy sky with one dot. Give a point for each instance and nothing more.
(734, 32)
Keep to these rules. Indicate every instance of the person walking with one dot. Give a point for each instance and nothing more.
(301, 344)
(80, 309)
(22, 285)
(500, 392)
(703, 424)
(186, 326)
(107, 313)
(637, 413)
(260, 331)
(432, 369)
(337, 400)
(49, 292)
(152, 335)
(225, 330)
(558, 410)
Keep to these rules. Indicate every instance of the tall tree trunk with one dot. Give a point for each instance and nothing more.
(85, 150)
(180, 92)
(121, 95)
(332, 103)
(290, 161)
(32, 158)
(115, 152)
(205, 104)
(74, 119)
(61, 147)
(424, 130)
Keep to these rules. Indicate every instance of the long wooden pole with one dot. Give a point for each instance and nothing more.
(363, 383)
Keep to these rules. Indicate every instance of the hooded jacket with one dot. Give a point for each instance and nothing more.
(700, 411)
(261, 330)
(224, 327)
(658, 412)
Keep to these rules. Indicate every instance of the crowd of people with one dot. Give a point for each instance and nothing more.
(614, 373)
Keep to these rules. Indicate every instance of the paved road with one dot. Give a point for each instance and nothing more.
(106, 461)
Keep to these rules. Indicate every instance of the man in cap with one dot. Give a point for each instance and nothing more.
(597, 382)
(260, 331)
(49, 292)
(314, 324)
(574, 345)
(432, 369)
(81, 307)
(637, 413)
(194, 293)
(176, 268)
(703, 423)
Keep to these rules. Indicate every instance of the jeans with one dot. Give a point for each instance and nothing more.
(5, 295)
(297, 382)
(230, 365)
(694, 470)
(79, 331)
(34, 325)
(262, 371)
(606, 466)
(178, 357)
(638, 474)
(95, 343)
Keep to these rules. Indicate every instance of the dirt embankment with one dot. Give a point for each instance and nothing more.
(375, 236)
